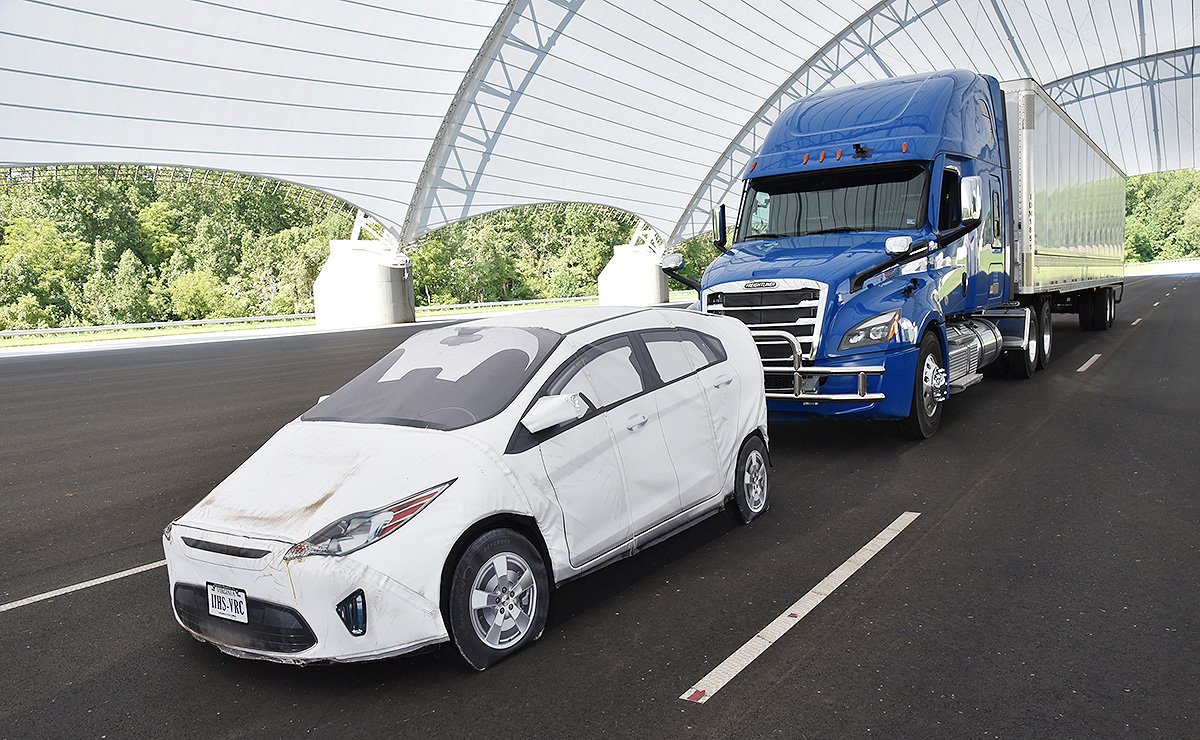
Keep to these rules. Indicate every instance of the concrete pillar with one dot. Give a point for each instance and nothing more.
(633, 277)
(362, 285)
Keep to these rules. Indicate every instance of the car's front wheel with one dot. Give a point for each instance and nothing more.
(499, 597)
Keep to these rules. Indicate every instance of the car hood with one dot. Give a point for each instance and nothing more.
(826, 258)
(311, 474)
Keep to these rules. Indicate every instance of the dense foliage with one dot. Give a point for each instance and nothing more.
(91, 251)
(87, 251)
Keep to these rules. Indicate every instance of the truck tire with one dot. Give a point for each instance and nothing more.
(1083, 306)
(925, 415)
(1024, 363)
(1046, 335)
(1102, 309)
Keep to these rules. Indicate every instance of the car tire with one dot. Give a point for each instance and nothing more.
(752, 480)
(505, 566)
(925, 415)
(1046, 335)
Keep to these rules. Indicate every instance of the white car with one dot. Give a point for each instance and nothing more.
(442, 494)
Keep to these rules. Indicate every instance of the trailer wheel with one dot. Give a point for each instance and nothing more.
(1102, 309)
(1046, 323)
(929, 389)
(1083, 306)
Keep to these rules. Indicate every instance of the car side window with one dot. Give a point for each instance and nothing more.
(605, 373)
(679, 352)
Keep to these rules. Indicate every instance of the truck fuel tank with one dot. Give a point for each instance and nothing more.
(974, 343)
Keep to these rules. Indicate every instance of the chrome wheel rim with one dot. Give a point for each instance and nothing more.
(754, 482)
(933, 385)
(503, 600)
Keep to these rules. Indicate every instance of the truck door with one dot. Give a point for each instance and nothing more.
(957, 261)
(992, 252)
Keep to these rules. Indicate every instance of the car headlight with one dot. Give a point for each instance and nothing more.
(874, 331)
(356, 531)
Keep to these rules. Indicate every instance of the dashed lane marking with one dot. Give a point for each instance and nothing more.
(716, 679)
(1136, 322)
(1083, 368)
(1155, 304)
(81, 586)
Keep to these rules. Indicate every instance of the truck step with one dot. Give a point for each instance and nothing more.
(965, 382)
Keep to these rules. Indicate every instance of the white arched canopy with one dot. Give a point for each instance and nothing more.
(424, 114)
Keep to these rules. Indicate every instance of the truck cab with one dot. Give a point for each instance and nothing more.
(870, 218)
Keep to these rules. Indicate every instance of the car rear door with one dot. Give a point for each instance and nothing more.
(684, 410)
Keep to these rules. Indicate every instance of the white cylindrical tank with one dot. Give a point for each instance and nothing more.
(633, 277)
(363, 286)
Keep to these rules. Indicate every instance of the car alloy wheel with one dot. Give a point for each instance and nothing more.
(755, 481)
(503, 601)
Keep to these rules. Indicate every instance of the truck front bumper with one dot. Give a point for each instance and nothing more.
(878, 386)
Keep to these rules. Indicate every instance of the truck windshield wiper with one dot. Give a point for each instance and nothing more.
(757, 237)
(836, 230)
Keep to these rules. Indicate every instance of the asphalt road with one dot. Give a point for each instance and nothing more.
(1049, 588)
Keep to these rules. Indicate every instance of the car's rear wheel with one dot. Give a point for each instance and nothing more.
(752, 481)
(499, 598)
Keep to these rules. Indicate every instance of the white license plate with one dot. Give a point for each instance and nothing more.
(227, 603)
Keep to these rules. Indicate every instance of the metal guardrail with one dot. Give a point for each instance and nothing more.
(440, 308)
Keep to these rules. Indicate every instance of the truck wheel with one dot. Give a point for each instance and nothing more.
(1102, 309)
(929, 388)
(499, 598)
(1083, 306)
(1046, 322)
(1024, 363)
(752, 481)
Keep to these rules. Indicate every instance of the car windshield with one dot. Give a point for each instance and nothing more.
(867, 198)
(444, 378)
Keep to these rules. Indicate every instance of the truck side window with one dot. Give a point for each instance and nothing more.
(949, 211)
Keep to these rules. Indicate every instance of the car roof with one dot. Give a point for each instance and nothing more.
(561, 320)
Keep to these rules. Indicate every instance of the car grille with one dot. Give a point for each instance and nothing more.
(270, 627)
(793, 310)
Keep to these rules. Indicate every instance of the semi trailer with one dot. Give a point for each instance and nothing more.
(897, 238)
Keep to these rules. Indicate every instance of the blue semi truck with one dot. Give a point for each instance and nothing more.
(897, 238)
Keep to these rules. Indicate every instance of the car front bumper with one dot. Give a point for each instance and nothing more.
(292, 612)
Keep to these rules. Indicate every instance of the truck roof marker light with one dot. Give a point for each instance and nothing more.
(821, 158)
(805, 158)
(839, 155)
(904, 147)
(753, 165)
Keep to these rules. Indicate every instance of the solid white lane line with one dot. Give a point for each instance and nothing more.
(81, 586)
(716, 679)
(1136, 322)
(1089, 363)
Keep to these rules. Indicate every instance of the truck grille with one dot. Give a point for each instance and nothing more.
(793, 310)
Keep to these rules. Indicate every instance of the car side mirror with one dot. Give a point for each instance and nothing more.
(550, 411)
(898, 245)
(972, 200)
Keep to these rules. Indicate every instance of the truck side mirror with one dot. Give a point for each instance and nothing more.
(972, 200)
(671, 263)
(550, 411)
(718, 227)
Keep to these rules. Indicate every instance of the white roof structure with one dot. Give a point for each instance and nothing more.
(425, 113)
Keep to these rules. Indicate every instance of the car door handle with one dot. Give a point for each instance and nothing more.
(723, 381)
(636, 422)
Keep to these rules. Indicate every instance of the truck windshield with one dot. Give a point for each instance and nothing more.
(444, 378)
(869, 198)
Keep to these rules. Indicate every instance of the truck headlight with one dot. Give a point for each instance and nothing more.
(874, 331)
(356, 531)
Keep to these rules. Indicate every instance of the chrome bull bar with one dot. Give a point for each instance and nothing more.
(799, 371)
